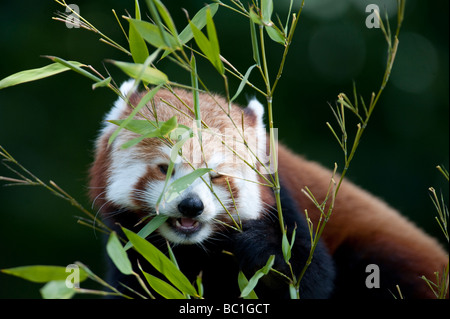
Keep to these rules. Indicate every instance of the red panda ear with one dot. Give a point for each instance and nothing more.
(255, 114)
(119, 108)
(257, 109)
(128, 87)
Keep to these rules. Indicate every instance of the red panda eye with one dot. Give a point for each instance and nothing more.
(163, 168)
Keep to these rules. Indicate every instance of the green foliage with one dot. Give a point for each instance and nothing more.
(243, 283)
(149, 228)
(41, 274)
(118, 254)
(161, 263)
(199, 21)
(138, 48)
(54, 277)
(161, 33)
(247, 288)
(163, 288)
(35, 74)
(439, 287)
(210, 45)
(141, 72)
(179, 185)
(57, 289)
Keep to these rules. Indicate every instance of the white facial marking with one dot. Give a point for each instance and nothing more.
(125, 173)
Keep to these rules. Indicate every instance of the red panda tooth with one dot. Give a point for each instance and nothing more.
(186, 223)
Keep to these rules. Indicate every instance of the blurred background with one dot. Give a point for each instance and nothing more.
(50, 125)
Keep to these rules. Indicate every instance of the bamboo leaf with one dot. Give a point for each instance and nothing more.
(275, 34)
(142, 127)
(286, 248)
(243, 282)
(255, 278)
(243, 82)
(141, 72)
(75, 67)
(168, 126)
(255, 18)
(155, 15)
(42, 274)
(138, 48)
(199, 20)
(103, 83)
(181, 132)
(149, 228)
(255, 45)
(118, 255)
(57, 289)
(164, 13)
(161, 263)
(35, 74)
(178, 186)
(171, 255)
(154, 36)
(155, 133)
(266, 11)
(209, 47)
(137, 10)
(147, 129)
(212, 34)
(293, 237)
(214, 42)
(201, 40)
(163, 288)
(199, 283)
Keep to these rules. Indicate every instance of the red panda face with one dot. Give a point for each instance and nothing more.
(133, 179)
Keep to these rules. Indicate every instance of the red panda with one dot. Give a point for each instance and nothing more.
(125, 185)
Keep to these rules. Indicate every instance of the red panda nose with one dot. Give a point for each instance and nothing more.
(191, 206)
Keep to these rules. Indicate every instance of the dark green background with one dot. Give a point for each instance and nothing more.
(50, 125)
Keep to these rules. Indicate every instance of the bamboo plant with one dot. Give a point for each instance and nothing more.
(160, 39)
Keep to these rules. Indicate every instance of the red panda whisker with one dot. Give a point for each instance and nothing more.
(97, 197)
(114, 213)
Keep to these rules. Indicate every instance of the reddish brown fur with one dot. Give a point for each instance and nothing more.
(363, 220)
(98, 173)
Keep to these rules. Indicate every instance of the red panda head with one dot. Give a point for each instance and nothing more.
(132, 179)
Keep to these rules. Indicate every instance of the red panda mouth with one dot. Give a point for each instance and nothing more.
(185, 225)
